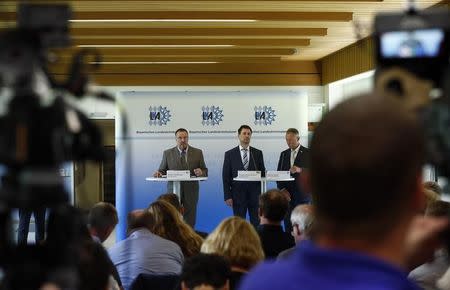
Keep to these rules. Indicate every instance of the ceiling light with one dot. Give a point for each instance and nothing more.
(163, 20)
(151, 45)
(153, 62)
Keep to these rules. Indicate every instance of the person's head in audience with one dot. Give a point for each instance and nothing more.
(236, 240)
(172, 198)
(205, 272)
(434, 186)
(302, 221)
(139, 219)
(169, 224)
(69, 239)
(102, 220)
(430, 197)
(273, 206)
(370, 190)
(438, 208)
(93, 266)
(66, 225)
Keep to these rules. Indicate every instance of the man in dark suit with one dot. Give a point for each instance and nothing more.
(273, 206)
(295, 160)
(243, 195)
(184, 157)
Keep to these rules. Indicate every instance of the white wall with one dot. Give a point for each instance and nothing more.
(338, 91)
(97, 109)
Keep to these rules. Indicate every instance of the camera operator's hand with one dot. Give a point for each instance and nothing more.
(423, 238)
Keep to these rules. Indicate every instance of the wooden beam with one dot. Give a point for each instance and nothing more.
(191, 51)
(282, 67)
(273, 42)
(150, 58)
(198, 32)
(199, 15)
(221, 15)
(10, 2)
(205, 79)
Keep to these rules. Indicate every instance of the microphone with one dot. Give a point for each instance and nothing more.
(187, 163)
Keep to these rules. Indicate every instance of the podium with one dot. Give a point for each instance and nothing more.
(263, 181)
(176, 182)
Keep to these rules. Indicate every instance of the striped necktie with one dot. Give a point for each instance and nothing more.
(245, 159)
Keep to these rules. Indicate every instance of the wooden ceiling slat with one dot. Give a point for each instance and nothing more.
(199, 15)
(191, 51)
(222, 15)
(198, 32)
(293, 42)
(298, 67)
(150, 58)
(205, 79)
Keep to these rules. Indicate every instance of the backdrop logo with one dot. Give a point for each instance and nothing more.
(211, 115)
(159, 115)
(264, 115)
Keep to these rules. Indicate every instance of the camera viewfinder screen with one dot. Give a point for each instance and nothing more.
(411, 44)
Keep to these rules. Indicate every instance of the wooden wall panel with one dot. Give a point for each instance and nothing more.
(351, 60)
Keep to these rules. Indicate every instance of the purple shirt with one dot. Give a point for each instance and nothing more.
(314, 268)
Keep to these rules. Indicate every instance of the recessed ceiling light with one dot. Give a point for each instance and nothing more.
(163, 20)
(151, 45)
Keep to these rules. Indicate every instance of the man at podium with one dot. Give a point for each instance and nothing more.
(184, 157)
(295, 160)
(243, 196)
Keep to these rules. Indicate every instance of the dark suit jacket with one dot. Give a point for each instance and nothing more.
(232, 163)
(284, 164)
(171, 161)
(274, 240)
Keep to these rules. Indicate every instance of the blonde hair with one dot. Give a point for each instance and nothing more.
(168, 224)
(236, 240)
(431, 196)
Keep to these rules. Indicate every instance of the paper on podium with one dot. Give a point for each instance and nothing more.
(277, 175)
(249, 174)
(178, 174)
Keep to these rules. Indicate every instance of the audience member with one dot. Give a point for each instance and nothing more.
(237, 241)
(366, 165)
(68, 239)
(427, 274)
(102, 220)
(301, 220)
(169, 224)
(94, 267)
(144, 252)
(273, 207)
(434, 186)
(172, 198)
(431, 197)
(205, 272)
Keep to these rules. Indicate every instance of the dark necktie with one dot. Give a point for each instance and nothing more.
(245, 159)
(183, 159)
